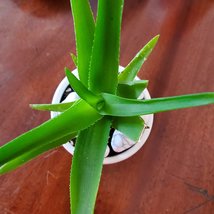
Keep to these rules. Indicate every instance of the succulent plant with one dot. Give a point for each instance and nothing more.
(106, 99)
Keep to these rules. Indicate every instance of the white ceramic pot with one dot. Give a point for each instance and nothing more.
(119, 142)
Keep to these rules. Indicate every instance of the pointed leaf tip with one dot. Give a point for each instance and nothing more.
(154, 41)
(132, 69)
(59, 107)
(74, 59)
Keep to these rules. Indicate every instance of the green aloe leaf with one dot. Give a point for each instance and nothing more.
(74, 59)
(84, 30)
(87, 165)
(129, 126)
(54, 129)
(60, 107)
(82, 91)
(131, 70)
(131, 89)
(105, 55)
(33, 152)
(89, 152)
(118, 106)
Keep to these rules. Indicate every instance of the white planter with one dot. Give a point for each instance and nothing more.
(125, 154)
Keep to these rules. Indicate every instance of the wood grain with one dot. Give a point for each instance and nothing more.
(174, 171)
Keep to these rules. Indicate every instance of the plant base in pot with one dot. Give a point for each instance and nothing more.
(119, 147)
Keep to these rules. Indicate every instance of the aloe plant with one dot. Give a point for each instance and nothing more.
(104, 103)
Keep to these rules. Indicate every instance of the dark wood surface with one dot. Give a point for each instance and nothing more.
(174, 171)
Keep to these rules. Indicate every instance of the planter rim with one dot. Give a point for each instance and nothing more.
(125, 154)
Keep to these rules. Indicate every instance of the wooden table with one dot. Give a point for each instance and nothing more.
(174, 171)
